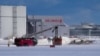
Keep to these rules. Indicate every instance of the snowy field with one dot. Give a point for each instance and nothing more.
(68, 50)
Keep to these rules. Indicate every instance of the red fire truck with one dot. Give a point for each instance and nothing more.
(25, 41)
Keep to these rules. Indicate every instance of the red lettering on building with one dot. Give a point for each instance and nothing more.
(47, 20)
(54, 20)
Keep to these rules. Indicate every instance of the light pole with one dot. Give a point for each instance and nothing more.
(90, 33)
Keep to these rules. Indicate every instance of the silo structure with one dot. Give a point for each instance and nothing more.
(12, 21)
(21, 21)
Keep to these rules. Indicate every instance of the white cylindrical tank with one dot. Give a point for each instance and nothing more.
(12, 21)
(21, 21)
(5, 17)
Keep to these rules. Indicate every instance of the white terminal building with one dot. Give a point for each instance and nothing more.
(39, 23)
(12, 21)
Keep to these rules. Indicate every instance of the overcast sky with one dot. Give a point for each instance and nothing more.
(73, 11)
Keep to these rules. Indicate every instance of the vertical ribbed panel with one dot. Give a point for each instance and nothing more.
(14, 21)
(0, 21)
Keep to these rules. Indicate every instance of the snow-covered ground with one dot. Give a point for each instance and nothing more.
(68, 50)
